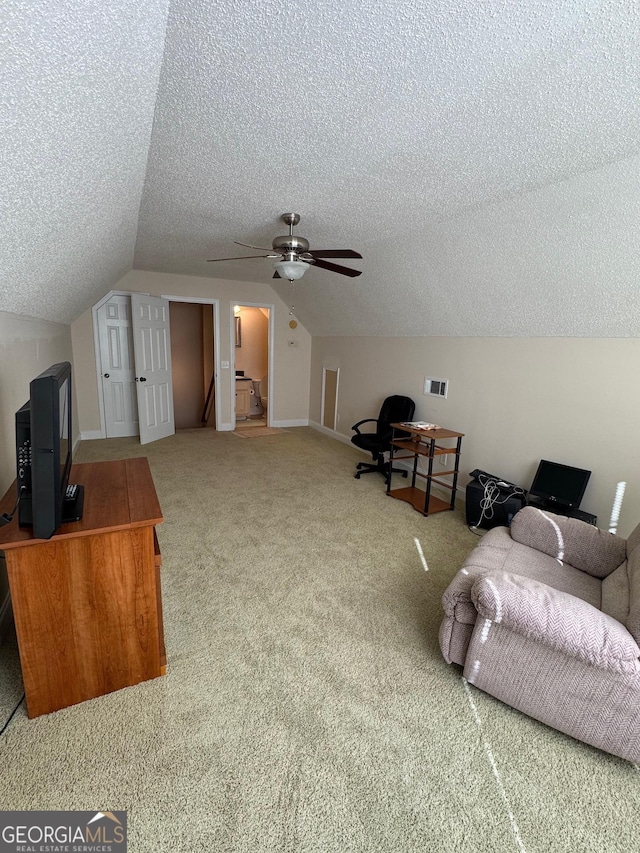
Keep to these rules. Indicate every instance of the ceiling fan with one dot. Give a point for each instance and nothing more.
(294, 254)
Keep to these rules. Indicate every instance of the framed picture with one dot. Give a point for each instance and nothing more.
(238, 332)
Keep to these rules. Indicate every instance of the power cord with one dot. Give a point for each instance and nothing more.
(493, 497)
(6, 517)
(11, 715)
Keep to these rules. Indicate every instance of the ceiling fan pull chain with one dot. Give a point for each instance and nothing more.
(292, 306)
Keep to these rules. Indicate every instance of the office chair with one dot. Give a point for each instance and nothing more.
(394, 410)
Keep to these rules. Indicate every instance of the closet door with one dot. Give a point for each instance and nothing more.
(117, 374)
(152, 350)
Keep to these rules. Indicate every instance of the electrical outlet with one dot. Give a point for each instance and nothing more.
(444, 461)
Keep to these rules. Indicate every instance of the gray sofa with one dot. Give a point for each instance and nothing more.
(545, 616)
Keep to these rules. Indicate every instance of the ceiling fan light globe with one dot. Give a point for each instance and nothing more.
(291, 270)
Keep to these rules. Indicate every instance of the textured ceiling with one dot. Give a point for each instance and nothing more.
(78, 82)
(482, 156)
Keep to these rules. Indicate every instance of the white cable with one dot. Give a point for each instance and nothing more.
(491, 497)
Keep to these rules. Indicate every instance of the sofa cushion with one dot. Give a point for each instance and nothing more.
(497, 550)
(568, 540)
(556, 619)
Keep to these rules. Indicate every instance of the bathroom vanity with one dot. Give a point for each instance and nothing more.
(243, 397)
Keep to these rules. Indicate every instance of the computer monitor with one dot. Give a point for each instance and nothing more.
(560, 486)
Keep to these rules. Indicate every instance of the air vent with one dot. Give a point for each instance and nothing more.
(436, 387)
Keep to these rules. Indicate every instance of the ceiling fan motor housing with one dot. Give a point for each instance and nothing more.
(290, 245)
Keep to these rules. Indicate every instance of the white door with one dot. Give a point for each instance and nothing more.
(152, 352)
(116, 365)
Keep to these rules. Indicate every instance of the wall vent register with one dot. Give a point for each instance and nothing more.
(436, 387)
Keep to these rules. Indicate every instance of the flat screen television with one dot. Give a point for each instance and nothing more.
(559, 486)
(44, 449)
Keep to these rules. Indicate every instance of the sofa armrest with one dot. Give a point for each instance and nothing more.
(569, 540)
(556, 619)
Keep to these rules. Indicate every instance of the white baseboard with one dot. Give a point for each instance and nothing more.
(283, 424)
(333, 434)
(91, 434)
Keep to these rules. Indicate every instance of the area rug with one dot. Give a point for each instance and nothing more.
(254, 432)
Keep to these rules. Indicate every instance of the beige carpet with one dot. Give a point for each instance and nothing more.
(306, 706)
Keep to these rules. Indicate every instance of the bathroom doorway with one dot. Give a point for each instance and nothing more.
(251, 333)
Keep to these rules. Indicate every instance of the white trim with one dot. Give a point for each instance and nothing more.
(333, 434)
(226, 428)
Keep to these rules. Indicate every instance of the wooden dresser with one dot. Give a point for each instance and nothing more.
(87, 602)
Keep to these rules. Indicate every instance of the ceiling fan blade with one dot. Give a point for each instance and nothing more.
(335, 253)
(240, 258)
(336, 268)
(261, 248)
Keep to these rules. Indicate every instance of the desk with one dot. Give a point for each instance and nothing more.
(429, 444)
(569, 512)
(87, 602)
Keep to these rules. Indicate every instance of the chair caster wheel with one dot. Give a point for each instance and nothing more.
(357, 476)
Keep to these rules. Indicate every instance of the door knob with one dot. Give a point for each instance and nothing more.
(106, 376)
(143, 379)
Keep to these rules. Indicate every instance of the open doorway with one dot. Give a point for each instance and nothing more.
(251, 335)
(192, 363)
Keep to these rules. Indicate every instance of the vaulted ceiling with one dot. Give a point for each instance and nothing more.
(482, 156)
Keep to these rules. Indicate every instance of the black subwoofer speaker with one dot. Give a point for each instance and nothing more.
(497, 513)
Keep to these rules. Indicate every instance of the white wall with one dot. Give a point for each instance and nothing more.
(518, 400)
(27, 347)
(289, 385)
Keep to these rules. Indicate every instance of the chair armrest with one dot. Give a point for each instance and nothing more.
(365, 421)
(569, 540)
(556, 619)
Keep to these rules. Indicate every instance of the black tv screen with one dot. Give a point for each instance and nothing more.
(559, 485)
(44, 447)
